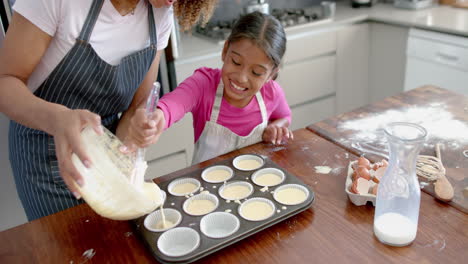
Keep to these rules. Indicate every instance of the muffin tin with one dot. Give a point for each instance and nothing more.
(202, 235)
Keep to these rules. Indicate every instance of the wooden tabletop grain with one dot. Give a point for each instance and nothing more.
(455, 107)
(333, 230)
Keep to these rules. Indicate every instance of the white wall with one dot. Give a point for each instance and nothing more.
(12, 212)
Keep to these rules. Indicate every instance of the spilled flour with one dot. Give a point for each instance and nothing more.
(439, 123)
(322, 169)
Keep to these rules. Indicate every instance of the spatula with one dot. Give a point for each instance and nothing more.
(442, 187)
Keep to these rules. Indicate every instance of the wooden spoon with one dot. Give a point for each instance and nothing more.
(442, 188)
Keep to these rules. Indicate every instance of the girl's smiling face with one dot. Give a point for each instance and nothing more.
(245, 70)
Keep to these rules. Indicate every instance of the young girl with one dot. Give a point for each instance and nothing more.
(237, 105)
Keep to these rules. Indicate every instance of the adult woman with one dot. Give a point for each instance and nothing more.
(66, 64)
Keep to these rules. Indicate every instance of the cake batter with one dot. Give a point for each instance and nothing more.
(249, 164)
(256, 210)
(217, 175)
(235, 192)
(291, 196)
(184, 188)
(200, 207)
(268, 179)
(164, 224)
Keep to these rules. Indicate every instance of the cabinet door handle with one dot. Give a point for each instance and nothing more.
(446, 56)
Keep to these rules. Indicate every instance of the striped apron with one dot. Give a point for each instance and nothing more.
(82, 80)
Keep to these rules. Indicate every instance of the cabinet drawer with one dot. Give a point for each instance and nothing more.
(309, 113)
(167, 164)
(307, 80)
(303, 46)
(439, 48)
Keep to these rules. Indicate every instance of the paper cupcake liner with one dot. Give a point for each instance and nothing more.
(213, 168)
(293, 186)
(178, 241)
(240, 158)
(257, 199)
(264, 171)
(202, 196)
(176, 182)
(219, 225)
(235, 183)
(171, 215)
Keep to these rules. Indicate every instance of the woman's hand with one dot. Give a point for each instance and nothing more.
(277, 132)
(66, 128)
(143, 130)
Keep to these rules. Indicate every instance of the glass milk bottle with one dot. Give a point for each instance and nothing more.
(398, 194)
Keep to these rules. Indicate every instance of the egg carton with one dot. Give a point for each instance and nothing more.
(357, 199)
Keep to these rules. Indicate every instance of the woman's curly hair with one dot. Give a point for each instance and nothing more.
(190, 12)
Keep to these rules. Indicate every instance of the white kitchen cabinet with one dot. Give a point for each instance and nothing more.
(315, 110)
(173, 151)
(185, 68)
(438, 59)
(352, 67)
(307, 76)
(387, 60)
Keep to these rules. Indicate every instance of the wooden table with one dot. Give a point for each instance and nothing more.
(454, 161)
(333, 230)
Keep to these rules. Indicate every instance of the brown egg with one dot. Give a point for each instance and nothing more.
(374, 189)
(379, 173)
(364, 173)
(354, 176)
(385, 163)
(363, 162)
(353, 187)
(378, 165)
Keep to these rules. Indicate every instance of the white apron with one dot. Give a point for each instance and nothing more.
(216, 139)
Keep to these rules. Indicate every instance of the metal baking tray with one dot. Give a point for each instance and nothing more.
(247, 228)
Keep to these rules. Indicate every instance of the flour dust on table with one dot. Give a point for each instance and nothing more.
(439, 123)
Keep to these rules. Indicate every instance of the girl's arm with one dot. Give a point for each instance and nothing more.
(278, 130)
(134, 128)
(172, 107)
(23, 48)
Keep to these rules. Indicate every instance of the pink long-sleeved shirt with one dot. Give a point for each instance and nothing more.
(197, 93)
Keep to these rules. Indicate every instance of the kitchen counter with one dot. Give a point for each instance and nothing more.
(333, 230)
(441, 18)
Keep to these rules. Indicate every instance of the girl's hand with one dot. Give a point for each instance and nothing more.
(142, 130)
(66, 128)
(277, 134)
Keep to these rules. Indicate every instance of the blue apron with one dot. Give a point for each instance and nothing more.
(82, 80)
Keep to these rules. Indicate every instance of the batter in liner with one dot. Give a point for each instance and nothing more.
(291, 196)
(235, 192)
(184, 188)
(200, 207)
(268, 179)
(249, 164)
(256, 210)
(217, 175)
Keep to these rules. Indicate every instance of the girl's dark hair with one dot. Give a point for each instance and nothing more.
(263, 30)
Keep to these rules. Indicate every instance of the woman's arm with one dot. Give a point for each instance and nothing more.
(23, 48)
